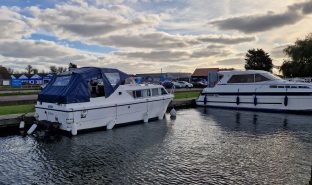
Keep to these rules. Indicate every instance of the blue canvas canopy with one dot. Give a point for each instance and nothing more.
(72, 86)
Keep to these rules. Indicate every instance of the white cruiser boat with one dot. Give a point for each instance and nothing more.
(257, 90)
(89, 97)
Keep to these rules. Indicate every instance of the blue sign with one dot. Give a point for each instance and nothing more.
(16, 83)
(162, 78)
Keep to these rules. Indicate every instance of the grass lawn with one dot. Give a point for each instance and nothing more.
(183, 95)
(18, 93)
(4, 88)
(15, 109)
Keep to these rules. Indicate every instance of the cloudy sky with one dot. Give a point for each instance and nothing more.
(147, 35)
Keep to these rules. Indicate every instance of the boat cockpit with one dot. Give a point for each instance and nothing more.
(81, 84)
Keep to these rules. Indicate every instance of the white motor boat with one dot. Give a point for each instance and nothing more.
(257, 90)
(89, 97)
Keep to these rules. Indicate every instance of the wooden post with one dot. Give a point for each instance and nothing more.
(310, 183)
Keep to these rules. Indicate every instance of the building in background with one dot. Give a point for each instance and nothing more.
(4, 76)
(30, 79)
(201, 74)
(160, 77)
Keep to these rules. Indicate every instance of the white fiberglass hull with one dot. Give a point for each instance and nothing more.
(106, 115)
(282, 103)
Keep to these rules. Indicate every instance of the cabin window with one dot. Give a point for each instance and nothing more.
(304, 87)
(246, 78)
(131, 93)
(294, 87)
(155, 92)
(163, 91)
(96, 88)
(113, 78)
(220, 77)
(281, 87)
(62, 81)
(146, 93)
(260, 78)
(273, 86)
(138, 94)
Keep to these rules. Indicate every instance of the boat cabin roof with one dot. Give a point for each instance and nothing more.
(249, 76)
(238, 72)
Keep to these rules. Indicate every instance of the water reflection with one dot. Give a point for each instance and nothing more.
(258, 122)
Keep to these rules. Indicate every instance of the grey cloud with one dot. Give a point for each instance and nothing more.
(172, 55)
(304, 7)
(71, 21)
(157, 55)
(147, 40)
(208, 52)
(259, 23)
(161, 40)
(89, 30)
(13, 25)
(278, 52)
(29, 49)
(231, 61)
(226, 39)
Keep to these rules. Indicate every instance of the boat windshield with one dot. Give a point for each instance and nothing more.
(273, 77)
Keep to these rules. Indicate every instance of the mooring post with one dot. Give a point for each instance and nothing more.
(310, 183)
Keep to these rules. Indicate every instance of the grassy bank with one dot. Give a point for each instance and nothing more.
(4, 88)
(18, 93)
(15, 109)
(184, 95)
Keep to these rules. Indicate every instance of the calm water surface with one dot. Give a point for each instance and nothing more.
(202, 146)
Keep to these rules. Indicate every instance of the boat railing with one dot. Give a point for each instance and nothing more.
(172, 89)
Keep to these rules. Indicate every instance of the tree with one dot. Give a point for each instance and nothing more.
(35, 71)
(71, 66)
(4, 73)
(61, 69)
(10, 70)
(53, 69)
(258, 60)
(29, 69)
(300, 58)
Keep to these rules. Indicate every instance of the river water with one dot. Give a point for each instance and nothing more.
(201, 146)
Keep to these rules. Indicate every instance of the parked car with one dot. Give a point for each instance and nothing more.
(199, 84)
(185, 84)
(167, 84)
(178, 85)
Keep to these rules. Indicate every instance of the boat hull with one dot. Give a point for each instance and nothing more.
(291, 104)
(105, 116)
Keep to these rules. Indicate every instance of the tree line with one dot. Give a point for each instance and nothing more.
(32, 70)
(298, 64)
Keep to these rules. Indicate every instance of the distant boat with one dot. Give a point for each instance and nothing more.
(257, 90)
(89, 97)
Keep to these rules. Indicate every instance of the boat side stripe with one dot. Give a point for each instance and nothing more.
(273, 103)
(260, 93)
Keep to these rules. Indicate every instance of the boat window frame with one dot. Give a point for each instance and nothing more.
(262, 76)
(240, 75)
(157, 89)
(61, 78)
(163, 91)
